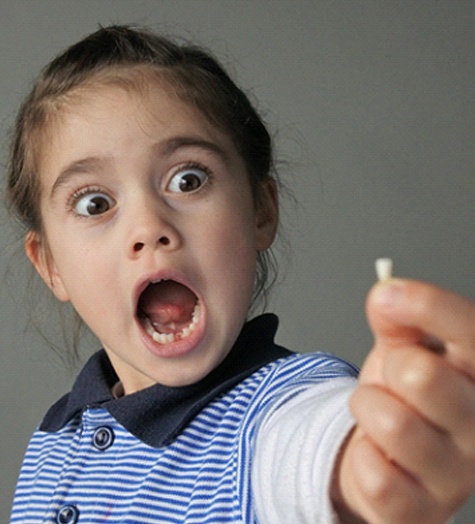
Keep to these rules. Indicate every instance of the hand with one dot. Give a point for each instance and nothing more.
(411, 458)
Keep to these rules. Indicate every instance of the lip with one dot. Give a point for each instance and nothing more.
(178, 348)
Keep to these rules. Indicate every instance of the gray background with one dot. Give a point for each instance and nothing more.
(372, 104)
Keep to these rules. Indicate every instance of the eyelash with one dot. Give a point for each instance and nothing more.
(194, 165)
(90, 190)
(80, 193)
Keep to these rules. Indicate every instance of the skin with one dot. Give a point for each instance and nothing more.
(411, 457)
(131, 149)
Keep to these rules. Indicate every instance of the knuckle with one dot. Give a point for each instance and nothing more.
(381, 488)
(387, 496)
(422, 373)
(398, 426)
(405, 438)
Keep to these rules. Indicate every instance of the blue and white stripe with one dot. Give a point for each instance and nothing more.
(203, 477)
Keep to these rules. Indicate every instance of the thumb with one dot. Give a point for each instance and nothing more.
(403, 311)
(385, 310)
(407, 313)
(382, 306)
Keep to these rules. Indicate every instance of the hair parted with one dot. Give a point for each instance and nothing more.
(111, 54)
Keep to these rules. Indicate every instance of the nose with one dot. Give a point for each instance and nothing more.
(152, 228)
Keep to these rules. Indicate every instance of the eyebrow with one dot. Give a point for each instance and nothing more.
(82, 166)
(172, 145)
(166, 148)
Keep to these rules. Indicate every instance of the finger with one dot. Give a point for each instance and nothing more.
(432, 387)
(424, 452)
(384, 492)
(402, 311)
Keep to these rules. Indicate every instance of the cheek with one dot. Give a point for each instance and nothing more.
(234, 253)
(84, 272)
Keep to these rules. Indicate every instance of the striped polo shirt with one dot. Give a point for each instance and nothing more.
(163, 455)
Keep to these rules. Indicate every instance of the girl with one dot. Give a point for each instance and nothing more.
(144, 178)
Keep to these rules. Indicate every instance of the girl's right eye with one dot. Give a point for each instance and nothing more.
(92, 204)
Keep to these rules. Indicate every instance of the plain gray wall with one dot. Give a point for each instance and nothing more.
(373, 107)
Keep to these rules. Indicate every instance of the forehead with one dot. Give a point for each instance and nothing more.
(107, 114)
(148, 104)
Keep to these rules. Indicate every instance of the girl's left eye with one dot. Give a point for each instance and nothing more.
(93, 204)
(187, 180)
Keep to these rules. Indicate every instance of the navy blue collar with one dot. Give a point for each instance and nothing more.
(158, 414)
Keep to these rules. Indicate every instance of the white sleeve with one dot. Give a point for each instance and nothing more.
(296, 448)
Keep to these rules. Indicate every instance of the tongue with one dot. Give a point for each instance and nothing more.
(167, 302)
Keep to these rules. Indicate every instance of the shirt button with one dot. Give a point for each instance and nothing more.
(103, 438)
(67, 515)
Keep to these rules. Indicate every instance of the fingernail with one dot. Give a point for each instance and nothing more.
(388, 293)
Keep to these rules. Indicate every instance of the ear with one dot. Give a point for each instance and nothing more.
(39, 255)
(267, 215)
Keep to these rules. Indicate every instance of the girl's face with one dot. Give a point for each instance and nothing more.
(150, 230)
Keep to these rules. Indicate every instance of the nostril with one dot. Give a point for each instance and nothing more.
(138, 246)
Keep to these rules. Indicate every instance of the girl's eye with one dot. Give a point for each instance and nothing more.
(93, 204)
(188, 180)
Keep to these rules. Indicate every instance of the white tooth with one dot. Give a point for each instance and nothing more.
(160, 338)
(163, 338)
(196, 313)
(384, 268)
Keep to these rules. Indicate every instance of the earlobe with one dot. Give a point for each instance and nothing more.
(267, 215)
(38, 254)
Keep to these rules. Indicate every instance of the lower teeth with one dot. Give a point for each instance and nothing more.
(168, 338)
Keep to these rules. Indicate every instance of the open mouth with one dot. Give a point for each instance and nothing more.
(168, 311)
